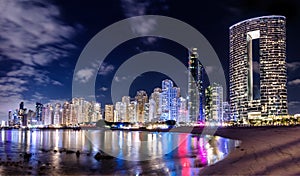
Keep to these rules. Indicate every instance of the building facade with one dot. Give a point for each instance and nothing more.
(195, 87)
(214, 103)
(109, 113)
(271, 34)
(170, 95)
(141, 98)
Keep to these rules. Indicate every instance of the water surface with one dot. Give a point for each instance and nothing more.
(135, 152)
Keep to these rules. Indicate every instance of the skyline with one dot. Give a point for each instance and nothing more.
(40, 46)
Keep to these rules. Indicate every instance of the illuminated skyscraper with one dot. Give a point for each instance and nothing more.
(109, 113)
(57, 114)
(66, 113)
(195, 87)
(132, 112)
(126, 102)
(96, 112)
(214, 103)
(170, 94)
(182, 110)
(141, 98)
(39, 111)
(271, 35)
(155, 105)
(49, 114)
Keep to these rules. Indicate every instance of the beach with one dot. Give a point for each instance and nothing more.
(263, 151)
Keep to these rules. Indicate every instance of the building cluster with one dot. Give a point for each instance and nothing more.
(266, 102)
(77, 111)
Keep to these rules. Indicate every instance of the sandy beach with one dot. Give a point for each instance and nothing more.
(264, 151)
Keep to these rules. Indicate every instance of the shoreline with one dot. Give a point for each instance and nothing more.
(263, 151)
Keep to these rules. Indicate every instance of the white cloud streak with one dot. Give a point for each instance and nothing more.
(294, 82)
(29, 31)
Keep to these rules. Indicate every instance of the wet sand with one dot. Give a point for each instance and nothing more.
(264, 151)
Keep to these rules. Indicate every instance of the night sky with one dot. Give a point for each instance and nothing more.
(42, 40)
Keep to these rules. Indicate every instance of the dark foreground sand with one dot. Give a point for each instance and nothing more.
(264, 151)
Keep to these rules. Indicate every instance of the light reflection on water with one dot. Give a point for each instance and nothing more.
(177, 153)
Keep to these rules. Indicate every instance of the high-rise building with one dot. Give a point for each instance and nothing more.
(141, 98)
(39, 112)
(21, 114)
(120, 111)
(182, 115)
(49, 114)
(109, 113)
(66, 114)
(214, 103)
(132, 112)
(57, 114)
(155, 106)
(195, 87)
(96, 112)
(126, 102)
(226, 112)
(270, 33)
(170, 94)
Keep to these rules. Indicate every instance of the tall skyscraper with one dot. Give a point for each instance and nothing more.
(49, 114)
(155, 105)
(195, 87)
(109, 113)
(132, 112)
(271, 35)
(170, 94)
(57, 114)
(214, 103)
(39, 112)
(182, 110)
(141, 98)
(21, 120)
(126, 102)
(66, 113)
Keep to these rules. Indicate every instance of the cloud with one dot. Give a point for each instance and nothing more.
(293, 66)
(103, 89)
(39, 77)
(54, 82)
(118, 78)
(209, 69)
(255, 66)
(143, 26)
(105, 69)
(84, 75)
(294, 82)
(32, 33)
(32, 36)
(294, 107)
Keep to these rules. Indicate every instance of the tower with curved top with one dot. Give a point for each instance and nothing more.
(270, 34)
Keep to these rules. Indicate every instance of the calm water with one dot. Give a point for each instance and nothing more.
(136, 152)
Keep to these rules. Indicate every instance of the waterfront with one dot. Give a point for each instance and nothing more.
(53, 152)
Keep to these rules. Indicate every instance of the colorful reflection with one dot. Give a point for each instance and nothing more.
(168, 153)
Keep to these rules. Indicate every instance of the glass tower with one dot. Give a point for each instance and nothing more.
(195, 87)
(271, 35)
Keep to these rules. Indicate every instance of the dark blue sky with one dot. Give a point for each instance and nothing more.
(42, 40)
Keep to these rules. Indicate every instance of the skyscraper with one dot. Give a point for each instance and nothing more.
(170, 94)
(195, 87)
(57, 114)
(39, 112)
(155, 104)
(271, 35)
(109, 113)
(214, 103)
(141, 98)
